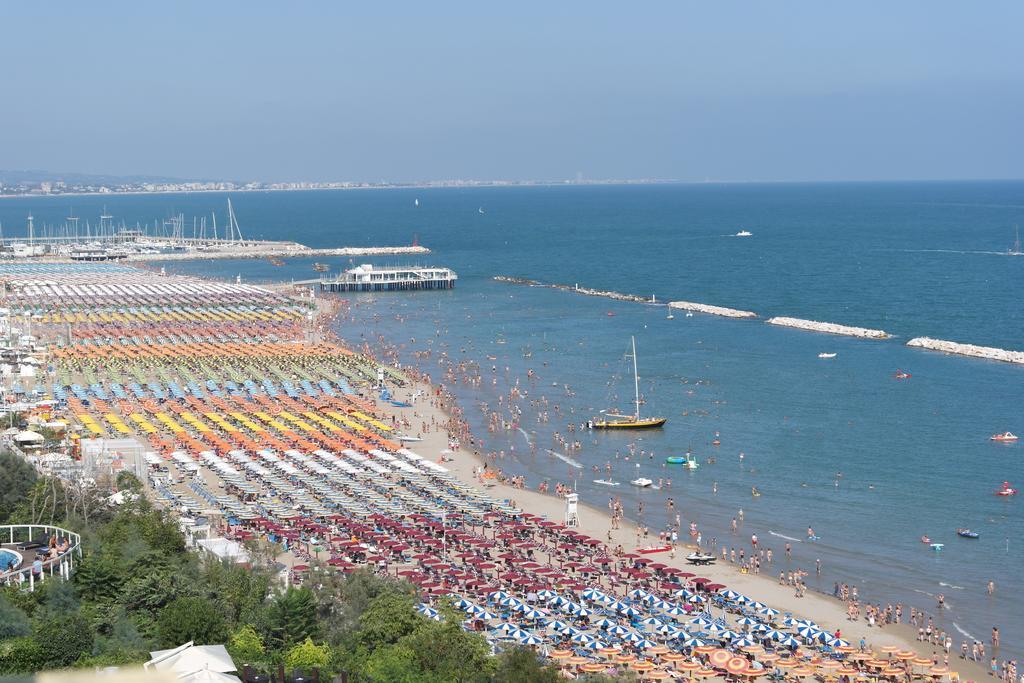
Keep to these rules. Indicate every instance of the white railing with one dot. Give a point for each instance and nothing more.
(32, 573)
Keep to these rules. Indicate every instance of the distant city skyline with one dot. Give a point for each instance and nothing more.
(414, 93)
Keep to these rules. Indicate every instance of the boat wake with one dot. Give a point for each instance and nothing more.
(788, 538)
(949, 585)
(566, 459)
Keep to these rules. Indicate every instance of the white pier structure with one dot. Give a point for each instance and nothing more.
(369, 278)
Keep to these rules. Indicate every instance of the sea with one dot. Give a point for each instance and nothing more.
(872, 463)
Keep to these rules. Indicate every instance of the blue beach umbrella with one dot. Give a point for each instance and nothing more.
(618, 630)
(730, 595)
(772, 634)
(744, 642)
(701, 622)
(769, 612)
(838, 642)
(638, 593)
(425, 609)
(534, 614)
(747, 621)
(652, 621)
(694, 642)
(605, 623)
(486, 615)
(556, 625)
(789, 641)
(547, 594)
(529, 639)
(583, 638)
(808, 632)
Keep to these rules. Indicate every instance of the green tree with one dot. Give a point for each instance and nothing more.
(14, 623)
(307, 656)
(445, 650)
(64, 638)
(395, 664)
(291, 618)
(127, 481)
(246, 646)
(21, 655)
(191, 618)
(387, 619)
(241, 592)
(523, 665)
(343, 598)
(16, 479)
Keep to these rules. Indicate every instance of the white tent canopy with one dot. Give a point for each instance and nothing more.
(225, 549)
(190, 659)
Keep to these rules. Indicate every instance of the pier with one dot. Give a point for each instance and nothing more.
(956, 348)
(829, 328)
(368, 278)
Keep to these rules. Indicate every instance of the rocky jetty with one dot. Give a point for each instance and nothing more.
(829, 328)
(711, 310)
(986, 352)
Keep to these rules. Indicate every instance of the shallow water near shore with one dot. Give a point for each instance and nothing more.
(913, 259)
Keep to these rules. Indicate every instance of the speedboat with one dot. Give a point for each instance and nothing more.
(967, 533)
(606, 482)
(1006, 490)
(826, 355)
(744, 233)
(642, 482)
(902, 375)
(700, 558)
(1005, 436)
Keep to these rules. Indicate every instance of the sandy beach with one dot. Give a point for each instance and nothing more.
(595, 521)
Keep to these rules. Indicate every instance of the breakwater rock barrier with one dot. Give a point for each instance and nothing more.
(618, 296)
(711, 310)
(829, 328)
(986, 352)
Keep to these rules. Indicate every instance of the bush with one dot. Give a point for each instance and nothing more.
(64, 639)
(246, 646)
(308, 656)
(14, 622)
(192, 619)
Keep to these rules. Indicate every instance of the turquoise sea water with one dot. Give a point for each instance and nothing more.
(913, 259)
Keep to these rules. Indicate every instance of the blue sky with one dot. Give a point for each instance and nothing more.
(721, 90)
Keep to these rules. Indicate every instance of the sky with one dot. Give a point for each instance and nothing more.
(413, 91)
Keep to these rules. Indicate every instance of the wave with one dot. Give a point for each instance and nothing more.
(962, 632)
(788, 538)
(525, 435)
(949, 585)
(566, 459)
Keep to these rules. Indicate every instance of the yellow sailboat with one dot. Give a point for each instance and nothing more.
(634, 421)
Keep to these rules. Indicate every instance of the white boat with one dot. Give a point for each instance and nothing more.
(826, 355)
(744, 233)
(642, 482)
(670, 317)
(1015, 251)
(606, 482)
(689, 315)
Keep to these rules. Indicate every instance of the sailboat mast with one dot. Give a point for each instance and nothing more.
(636, 379)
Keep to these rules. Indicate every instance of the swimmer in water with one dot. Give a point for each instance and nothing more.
(810, 532)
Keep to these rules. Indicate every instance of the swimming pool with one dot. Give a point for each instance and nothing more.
(9, 559)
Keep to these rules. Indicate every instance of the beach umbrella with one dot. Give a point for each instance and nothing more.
(556, 625)
(772, 634)
(790, 622)
(652, 621)
(675, 611)
(760, 628)
(730, 595)
(631, 636)
(716, 627)
(534, 614)
(629, 611)
(498, 595)
(768, 612)
(559, 654)
(547, 594)
(666, 628)
(529, 639)
(625, 658)
(736, 665)
(727, 634)
(694, 642)
(426, 610)
(593, 667)
(757, 606)
(838, 642)
(465, 604)
(720, 657)
(605, 622)
(747, 621)
(558, 600)
(789, 641)
(485, 615)
(506, 627)
(644, 643)
(808, 632)
(581, 611)
(593, 645)
(701, 622)
(582, 638)
(511, 602)
(744, 642)
(638, 593)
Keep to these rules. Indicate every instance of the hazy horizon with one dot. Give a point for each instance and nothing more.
(730, 92)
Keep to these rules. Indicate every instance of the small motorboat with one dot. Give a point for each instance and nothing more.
(826, 355)
(937, 546)
(642, 482)
(1005, 436)
(670, 317)
(744, 233)
(1006, 490)
(967, 533)
(901, 375)
(606, 482)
